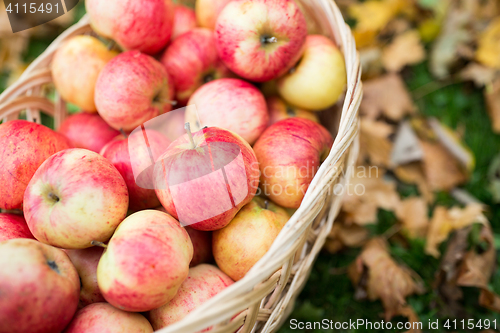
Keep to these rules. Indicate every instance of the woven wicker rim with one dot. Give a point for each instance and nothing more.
(265, 296)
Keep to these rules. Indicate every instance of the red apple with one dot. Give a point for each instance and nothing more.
(119, 150)
(202, 244)
(207, 12)
(173, 125)
(203, 282)
(104, 318)
(144, 25)
(286, 173)
(75, 197)
(87, 131)
(203, 180)
(85, 262)
(39, 287)
(72, 83)
(23, 148)
(239, 245)
(146, 261)
(13, 226)
(232, 104)
(319, 78)
(131, 89)
(260, 39)
(192, 60)
(279, 110)
(184, 20)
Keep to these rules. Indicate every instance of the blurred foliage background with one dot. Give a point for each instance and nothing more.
(422, 242)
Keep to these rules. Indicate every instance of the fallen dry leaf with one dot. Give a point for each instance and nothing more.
(367, 192)
(371, 17)
(477, 266)
(412, 212)
(492, 97)
(467, 268)
(343, 235)
(408, 312)
(388, 96)
(454, 36)
(377, 276)
(371, 62)
(405, 49)
(375, 144)
(413, 173)
(479, 74)
(452, 142)
(442, 171)
(445, 283)
(406, 146)
(444, 221)
(489, 300)
(488, 45)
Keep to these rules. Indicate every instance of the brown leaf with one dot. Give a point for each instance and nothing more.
(368, 191)
(444, 221)
(489, 300)
(442, 170)
(472, 268)
(408, 312)
(454, 36)
(371, 62)
(343, 235)
(384, 279)
(388, 96)
(492, 97)
(412, 213)
(413, 173)
(375, 143)
(445, 283)
(405, 49)
(479, 74)
(477, 268)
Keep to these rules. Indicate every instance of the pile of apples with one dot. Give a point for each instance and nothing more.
(86, 246)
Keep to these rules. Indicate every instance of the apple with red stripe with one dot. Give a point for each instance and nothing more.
(75, 197)
(260, 40)
(13, 226)
(144, 25)
(204, 178)
(286, 173)
(24, 146)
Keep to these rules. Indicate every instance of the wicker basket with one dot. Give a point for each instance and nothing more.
(263, 299)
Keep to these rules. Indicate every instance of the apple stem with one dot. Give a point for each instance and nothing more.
(268, 39)
(187, 127)
(123, 132)
(100, 244)
(266, 204)
(111, 45)
(54, 197)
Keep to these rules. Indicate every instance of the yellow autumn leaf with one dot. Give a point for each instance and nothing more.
(371, 17)
(488, 50)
